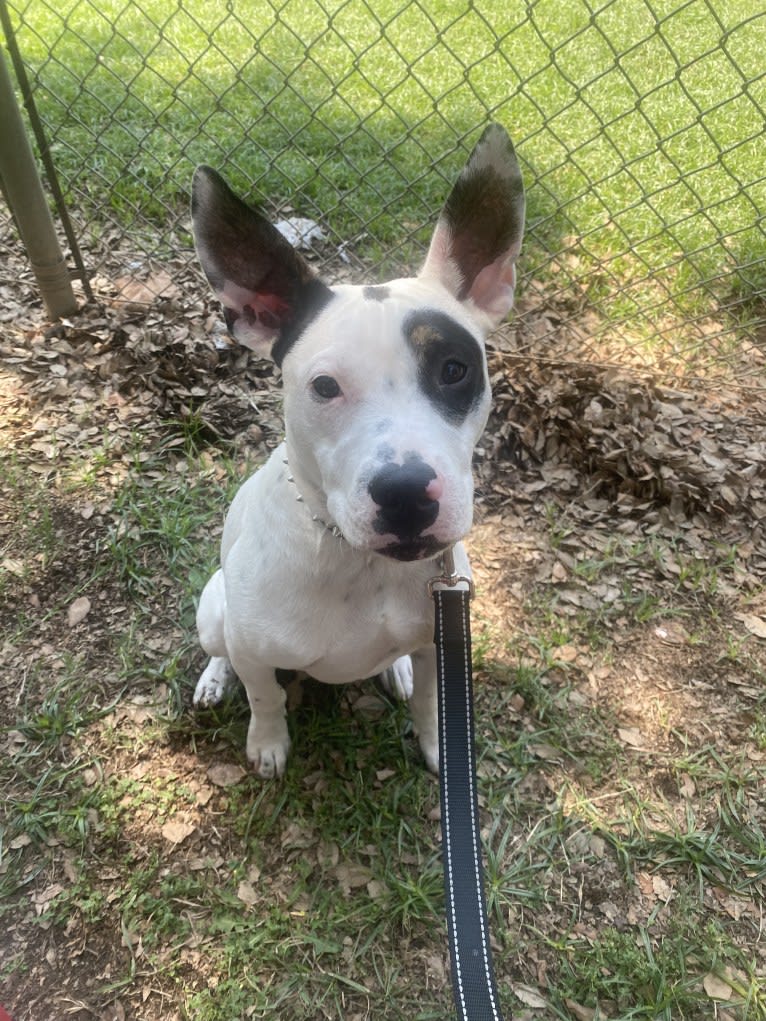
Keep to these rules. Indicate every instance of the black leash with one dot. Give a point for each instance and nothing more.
(473, 980)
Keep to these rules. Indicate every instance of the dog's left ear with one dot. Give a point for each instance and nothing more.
(266, 289)
(478, 236)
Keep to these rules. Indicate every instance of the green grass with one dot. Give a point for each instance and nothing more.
(322, 893)
(640, 131)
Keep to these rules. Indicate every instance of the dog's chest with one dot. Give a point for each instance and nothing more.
(364, 629)
(340, 617)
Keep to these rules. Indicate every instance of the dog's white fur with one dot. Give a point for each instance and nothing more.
(291, 592)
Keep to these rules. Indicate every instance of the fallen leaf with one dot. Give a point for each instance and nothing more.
(583, 1013)
(370, 706)
(597, 846)
(567, 653)
(176, 830)
(716, 987)
(204, 794)
(114, 1012)
(755, 625)
(529, 997)
(646, 885)
(78, 611)
(328, 853)
(559, 573)
(44, 898)
(246, 893)
(662, 888)
(376, 890)
(631, 736)
(225, 774)
(352, 877)
(545, 751)
(687, 788)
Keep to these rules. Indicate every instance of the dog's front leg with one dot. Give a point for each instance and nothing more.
(267, 739)
(423, 705)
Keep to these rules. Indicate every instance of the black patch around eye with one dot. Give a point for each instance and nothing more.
(450, 362)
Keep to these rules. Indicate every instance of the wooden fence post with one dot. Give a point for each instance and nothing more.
(25, 195)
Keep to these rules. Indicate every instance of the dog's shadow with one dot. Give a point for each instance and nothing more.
(343, 726)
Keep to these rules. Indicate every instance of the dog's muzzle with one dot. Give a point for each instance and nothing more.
(407, 497)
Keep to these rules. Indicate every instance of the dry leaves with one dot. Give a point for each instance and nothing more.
(631, 736)
(246, 892)
(529, 996)
(226, 774)
(725, 985)
(615, 454)
(622, 449)
(78, 611)
(583, 1013)
(177, 830)
(755, 625)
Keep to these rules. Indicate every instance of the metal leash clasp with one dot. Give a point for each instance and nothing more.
(449, 576)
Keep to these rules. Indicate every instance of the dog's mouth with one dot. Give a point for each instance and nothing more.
(423, 548)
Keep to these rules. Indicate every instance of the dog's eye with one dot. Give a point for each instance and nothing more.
(326, 387)
(453, 372)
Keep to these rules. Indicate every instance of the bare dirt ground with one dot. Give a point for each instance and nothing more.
(621, 515)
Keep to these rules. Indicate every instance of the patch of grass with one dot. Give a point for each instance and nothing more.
(169, 519)
(725, 848)
(35, 532)
(642, 976)
(616, 877)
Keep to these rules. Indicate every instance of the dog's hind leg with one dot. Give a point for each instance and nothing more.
(218, 677)
(216, 681)
(397, 679)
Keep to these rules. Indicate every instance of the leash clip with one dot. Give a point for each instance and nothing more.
(449, 576)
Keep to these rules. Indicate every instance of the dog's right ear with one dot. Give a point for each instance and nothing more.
(266, 289)
(477, 240)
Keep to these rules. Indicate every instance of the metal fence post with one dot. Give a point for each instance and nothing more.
(24, 190)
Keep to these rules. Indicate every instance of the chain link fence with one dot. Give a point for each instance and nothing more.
(639, 125)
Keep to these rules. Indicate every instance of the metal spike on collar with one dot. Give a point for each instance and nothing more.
(332, 529)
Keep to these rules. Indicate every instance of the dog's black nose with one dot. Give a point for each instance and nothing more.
(405, 494)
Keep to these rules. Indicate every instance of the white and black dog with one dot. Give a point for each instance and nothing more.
(327, 550)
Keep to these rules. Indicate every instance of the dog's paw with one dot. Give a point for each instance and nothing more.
(267, 747)
(216, 681)
(397, 679)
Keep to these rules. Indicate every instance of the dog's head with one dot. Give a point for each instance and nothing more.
(386, 387)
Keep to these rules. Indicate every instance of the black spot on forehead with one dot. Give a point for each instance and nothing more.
(376, 292)
(438, 342)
